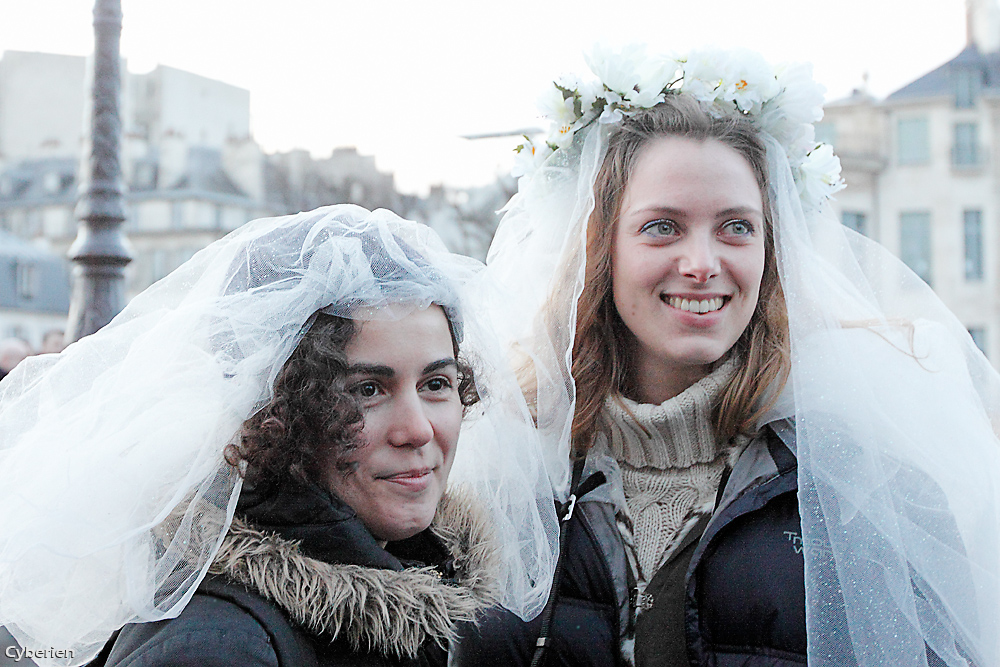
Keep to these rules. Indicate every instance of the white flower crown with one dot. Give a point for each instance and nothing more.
(783, 101)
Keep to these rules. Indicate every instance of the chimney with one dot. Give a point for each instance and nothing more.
(982, 25)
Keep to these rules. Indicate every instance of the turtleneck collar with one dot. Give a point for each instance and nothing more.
(677, 433)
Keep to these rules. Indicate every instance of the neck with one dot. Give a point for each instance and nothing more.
(656, 382)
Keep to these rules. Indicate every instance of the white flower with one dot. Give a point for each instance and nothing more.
(618, 70)
(739, 76)
(589, 91)
(569, 81)
(529, 158)
(784, 102)
(798, 105)
(610, 115)
(751, 82)
(819, 175)
(703, 75)
(801, 141)
(644, 98)
(801, 97)
(612, 109)
(659, 72)
(655, 74)
(557, 109)
(562, 135)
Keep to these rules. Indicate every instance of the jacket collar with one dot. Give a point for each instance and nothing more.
(388, 611)
(324, 527)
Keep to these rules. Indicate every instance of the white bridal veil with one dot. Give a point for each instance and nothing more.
(102, 443)
(896, 410)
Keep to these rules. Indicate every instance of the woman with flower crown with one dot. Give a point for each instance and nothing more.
(770, 443)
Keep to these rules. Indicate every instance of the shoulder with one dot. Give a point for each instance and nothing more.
(209, 632)
(465, 527)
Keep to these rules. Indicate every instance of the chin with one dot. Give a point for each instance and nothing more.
(703, 357)
(406, 525)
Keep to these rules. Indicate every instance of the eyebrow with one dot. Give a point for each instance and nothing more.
(381, 370)
(439, 364)
(741, 210)
(676, 212)
(378, 370)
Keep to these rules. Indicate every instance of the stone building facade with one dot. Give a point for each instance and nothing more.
(192, 169)
(923, 173)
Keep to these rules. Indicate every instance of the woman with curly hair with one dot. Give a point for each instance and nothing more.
(258, 467)
(343, 549)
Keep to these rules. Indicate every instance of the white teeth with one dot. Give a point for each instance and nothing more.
(694, 306)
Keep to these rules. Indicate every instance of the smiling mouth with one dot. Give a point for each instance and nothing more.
(696, 306)
(418, 473)
(416, 481)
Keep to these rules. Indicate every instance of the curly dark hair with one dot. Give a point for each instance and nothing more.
(312, 415)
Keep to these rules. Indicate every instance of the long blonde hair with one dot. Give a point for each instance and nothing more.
(601, 350)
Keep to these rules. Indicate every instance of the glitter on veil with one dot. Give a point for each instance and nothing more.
(896, 410)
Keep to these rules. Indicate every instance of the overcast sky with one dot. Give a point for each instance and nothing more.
(403, 80)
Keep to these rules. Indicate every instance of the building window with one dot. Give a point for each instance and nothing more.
(973, 225)
(913, 136)
(158, 264)
(26, 277)
(915, 243)
(967, 83)
(978, 337)
(144, 177)
(965, 152)
(131, 218)
(854, 220)
(176, 215)
(52, 183)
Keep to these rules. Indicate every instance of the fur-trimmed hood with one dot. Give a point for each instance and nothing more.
(383, 611)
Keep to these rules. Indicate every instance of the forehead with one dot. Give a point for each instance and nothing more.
(423, 333)
(679, 171)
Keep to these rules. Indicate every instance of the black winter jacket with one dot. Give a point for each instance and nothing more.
(306, 584)
(732, 594)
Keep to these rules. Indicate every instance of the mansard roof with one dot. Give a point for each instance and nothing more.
(942, 81)
(205, 173)
(42, 181)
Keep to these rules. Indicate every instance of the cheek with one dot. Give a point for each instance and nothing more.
(749, 268)
(758, 273)
(626, 275)
(367, 437)
(447, 426)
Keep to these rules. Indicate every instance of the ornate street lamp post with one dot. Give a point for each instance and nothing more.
(99, 251)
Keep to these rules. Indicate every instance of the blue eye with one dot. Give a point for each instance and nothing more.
(660, 228)
(740, 227)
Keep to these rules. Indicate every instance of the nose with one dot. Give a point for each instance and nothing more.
(410, 426)
(699, 259)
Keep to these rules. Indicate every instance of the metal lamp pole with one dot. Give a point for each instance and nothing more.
(99, 252)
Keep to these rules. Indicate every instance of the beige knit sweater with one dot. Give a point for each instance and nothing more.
(671, 466)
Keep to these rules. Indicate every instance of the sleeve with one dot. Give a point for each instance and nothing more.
(209, 633)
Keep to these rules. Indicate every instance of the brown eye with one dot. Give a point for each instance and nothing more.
(367, 389)
(437, 384)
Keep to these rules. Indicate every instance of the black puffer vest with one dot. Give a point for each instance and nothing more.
(732, 594)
